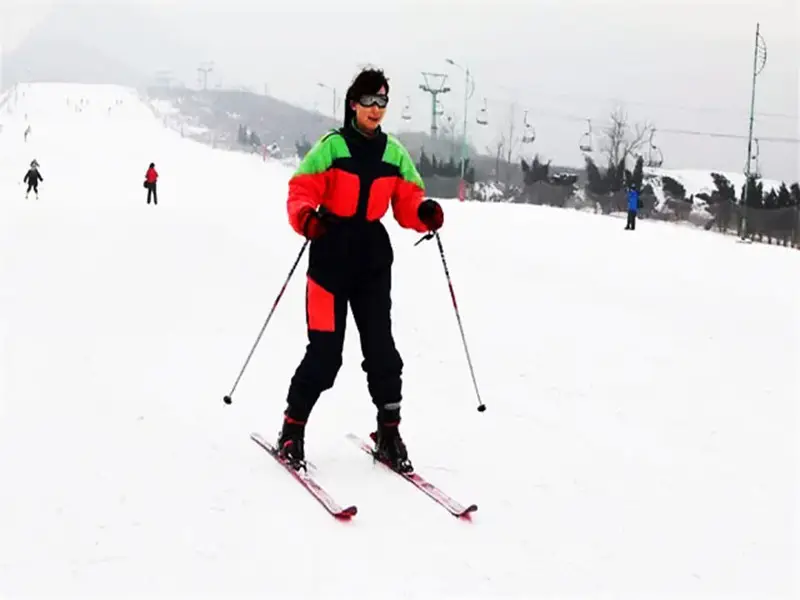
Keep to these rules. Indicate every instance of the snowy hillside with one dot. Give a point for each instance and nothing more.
(697, 182)
(638, 443)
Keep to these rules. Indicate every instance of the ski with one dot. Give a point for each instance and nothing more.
(308, 482)
(454, 507)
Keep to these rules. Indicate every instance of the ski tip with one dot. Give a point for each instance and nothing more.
(258, 438)
(467, 513)
(347, 513)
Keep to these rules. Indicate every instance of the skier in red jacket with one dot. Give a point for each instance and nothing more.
(341, 190)
(150, 182)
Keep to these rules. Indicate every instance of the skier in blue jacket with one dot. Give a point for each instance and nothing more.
(633, 207)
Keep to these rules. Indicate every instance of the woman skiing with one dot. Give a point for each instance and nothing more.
(150, 182)
(337, 196)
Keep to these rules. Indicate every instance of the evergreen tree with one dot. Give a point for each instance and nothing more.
(424, 166)
(771, 200)
(597, 183)
(755, 192)
(725, 191)
(674, 188)
(452, 169)
(541, 170)
(536, 171)
(469, 175)
(638, 174)
(795, 191)
(784, 199)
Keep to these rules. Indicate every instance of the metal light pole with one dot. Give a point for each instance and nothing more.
(333, 89)
(467, 95)
(759, 61)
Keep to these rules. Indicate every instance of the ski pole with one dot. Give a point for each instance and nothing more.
(227, 399)
(481, 405)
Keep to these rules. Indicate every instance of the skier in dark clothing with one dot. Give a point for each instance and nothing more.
(341, 190)
(150, 182)
(633, 208)
(32, 178)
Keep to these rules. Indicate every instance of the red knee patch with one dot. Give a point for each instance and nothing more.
(320, 306)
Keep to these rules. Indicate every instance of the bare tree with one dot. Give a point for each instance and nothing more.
(447, 131)
(511, 144)
(497, 151)
(622, 142)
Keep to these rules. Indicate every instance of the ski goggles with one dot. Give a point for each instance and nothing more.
(379, 100)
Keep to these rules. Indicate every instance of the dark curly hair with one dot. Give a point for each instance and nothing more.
(368, 81)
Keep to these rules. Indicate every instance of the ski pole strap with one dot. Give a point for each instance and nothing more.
(427, 236)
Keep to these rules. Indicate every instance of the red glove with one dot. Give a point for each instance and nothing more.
(431, 214)
(313, 225)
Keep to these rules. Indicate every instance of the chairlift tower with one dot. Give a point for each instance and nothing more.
(435, 86)
(202, 73)
(759, 62)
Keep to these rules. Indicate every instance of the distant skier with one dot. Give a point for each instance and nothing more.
(151, 182)
(27, 132)
(633, 207)
(32, 178)
(337, 196)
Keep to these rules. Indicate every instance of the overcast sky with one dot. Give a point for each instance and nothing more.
(683, 64)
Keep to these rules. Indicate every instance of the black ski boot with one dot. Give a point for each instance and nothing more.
(291, 443)
(389, 447)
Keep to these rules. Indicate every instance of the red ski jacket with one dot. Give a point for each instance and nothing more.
(354, 176)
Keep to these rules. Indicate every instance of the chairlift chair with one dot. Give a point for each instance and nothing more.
(406, 114)
(530, 133)
(483, 118)
(585, 142)
(655, 158)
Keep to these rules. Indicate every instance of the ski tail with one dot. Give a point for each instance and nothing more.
(308, 482)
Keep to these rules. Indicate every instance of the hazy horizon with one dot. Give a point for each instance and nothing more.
(683, 65)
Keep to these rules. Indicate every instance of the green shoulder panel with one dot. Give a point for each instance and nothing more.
(321, 156)
(397, 155)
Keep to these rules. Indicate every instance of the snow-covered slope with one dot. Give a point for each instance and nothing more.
(638, 443)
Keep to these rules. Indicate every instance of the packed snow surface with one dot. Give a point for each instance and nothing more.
(642, 391)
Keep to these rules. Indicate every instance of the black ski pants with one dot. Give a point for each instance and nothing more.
(631, 220)
(350, 266)
(152, 193)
